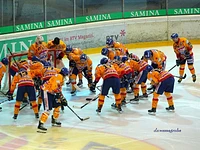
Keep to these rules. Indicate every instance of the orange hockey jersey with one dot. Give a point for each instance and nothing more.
(182, 46)
(2, 70)
(105, 71)
(35, 50)
(25, 80)
(155, 77)
(54, 84)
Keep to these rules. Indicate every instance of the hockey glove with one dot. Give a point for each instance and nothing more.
(64, 101)
(57, 96)
(72, 63)
(93, 86)
(187, 55)
(10, 96)
(178, 61)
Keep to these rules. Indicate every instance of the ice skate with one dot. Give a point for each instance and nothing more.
(80, 83)
(194, 77)
(170, 108)
(135, 100)
(36, 115)
(124, 103)
(152, 111)
(98, 110)
(41, 128)
(145, 95)
(15, 116)
(68, 82)
(73, 92)
(119, 109)
(113, 106)
(54, 122)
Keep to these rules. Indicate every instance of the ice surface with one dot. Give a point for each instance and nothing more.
(133, 129)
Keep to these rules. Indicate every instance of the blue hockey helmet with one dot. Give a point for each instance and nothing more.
(174, 35)
(104, 51)
(68, 49)
(47, 64)
(103, 60)
(35, 58)
(148, 54)
(5, 61)
(109, 41)
(124, 58)
(117, 58)
(64, 71)
(83, 57)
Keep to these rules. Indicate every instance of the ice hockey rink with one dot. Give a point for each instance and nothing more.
(134, 129)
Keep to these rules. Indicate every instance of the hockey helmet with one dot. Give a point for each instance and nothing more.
(35, 58)
(104, 51)
(109, 41)
(148, 54)
(104, 60)
(64, 71)
(83, 57)
(174, 35)
(56, 41)
(68, 49)
(5, 61)
(124, 58)
(39, 39)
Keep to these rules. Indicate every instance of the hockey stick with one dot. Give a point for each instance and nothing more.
(172, 68)
(23, 106)
(137, 102)
(3, 93)
(13, 58)
(180, 77)
(82, 119)
(4, 101)
(89, 100)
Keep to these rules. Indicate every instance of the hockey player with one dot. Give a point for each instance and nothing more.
(117, 46)
(135, 58)
(60, 48)
(110, 80)
(25, 85)
(141, 69)
(183, 49)
(110, 53)
(47, 72)
(83, 64)
(52, 96)
(36, 48)
(3, 64)
(73, 54)
(157, 58)
(14, 68)
(125, 73)
(164, 82)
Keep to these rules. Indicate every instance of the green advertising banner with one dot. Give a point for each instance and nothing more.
(17, 45)
(99, 17)
(144, 13)
(7, 29)
(184, 11)
(29, 26)
(60, 22)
